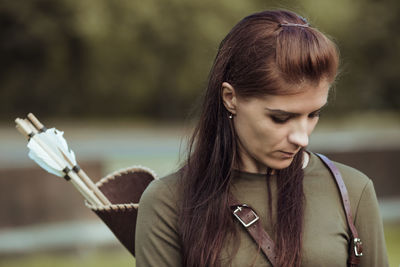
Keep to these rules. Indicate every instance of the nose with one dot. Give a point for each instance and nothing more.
(299, 135)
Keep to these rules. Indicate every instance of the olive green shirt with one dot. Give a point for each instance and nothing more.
(325, 233)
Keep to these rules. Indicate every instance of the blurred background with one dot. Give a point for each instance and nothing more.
(124, 79)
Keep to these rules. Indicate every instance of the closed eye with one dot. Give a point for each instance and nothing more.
(280, 116)
(315, 114)
(280, 119)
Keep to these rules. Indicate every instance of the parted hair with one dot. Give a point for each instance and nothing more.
(266, 53)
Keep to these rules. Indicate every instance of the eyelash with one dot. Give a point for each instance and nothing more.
(279, 120)
(283, 120)
(315, 114)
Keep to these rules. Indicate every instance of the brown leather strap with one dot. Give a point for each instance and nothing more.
(355, 249)
(251, 222)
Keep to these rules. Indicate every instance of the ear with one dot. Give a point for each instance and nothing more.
(229, 98)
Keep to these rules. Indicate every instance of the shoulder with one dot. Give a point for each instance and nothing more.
(359, 186)
(157, 230)
(161, 191)
(352, 177)
(357, 183)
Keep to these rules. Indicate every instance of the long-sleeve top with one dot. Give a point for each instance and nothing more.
(325, 232)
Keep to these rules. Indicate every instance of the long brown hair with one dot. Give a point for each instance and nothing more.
(259, 56)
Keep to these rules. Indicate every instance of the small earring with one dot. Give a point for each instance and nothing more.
(230, 116)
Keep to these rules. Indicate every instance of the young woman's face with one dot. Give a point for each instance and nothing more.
(273, 128)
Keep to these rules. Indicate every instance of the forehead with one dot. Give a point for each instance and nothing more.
(308, 98)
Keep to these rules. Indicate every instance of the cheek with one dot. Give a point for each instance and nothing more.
(258, 133)
(248, 129)
(244, 128)
(312, 125)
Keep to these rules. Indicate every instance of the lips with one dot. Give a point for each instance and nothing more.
(287, 154)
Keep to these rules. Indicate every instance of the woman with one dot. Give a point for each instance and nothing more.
(269, 82)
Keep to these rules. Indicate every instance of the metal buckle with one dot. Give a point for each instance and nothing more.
(357, 241)
(239, 208)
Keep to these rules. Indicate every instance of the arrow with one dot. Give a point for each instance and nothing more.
(49, 150)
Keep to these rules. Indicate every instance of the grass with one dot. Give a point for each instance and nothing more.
(97, 258)
(392, 236)
(120, 257)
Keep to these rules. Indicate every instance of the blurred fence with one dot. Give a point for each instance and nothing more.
(39, 211)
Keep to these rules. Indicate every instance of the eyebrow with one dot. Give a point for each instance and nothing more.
(292, 114)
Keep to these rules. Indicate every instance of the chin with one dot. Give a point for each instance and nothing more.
(280, 164)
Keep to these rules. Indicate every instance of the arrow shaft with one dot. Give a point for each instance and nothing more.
(85, 191)
(30, 127)
(89, 195)
(92, 186)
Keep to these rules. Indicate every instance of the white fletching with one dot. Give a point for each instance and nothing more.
(37, 154)
(54, 141)
(56, 138)
(50, 151)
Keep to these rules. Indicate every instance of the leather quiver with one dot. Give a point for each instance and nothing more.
(123, 189)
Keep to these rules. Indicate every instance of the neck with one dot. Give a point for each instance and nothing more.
(262, 169)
